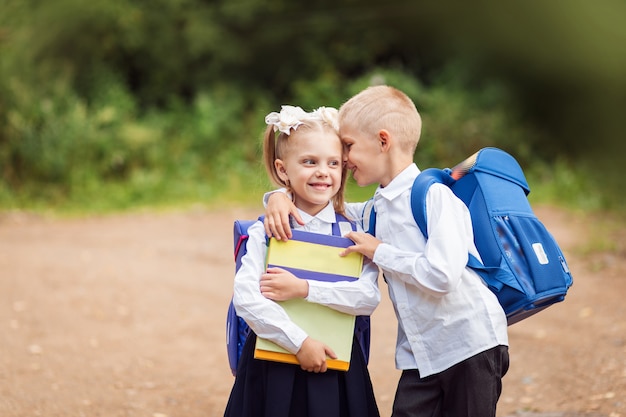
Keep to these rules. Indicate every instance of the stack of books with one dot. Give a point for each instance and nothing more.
(315, 256)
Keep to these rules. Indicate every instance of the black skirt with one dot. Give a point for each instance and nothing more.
(273, 389)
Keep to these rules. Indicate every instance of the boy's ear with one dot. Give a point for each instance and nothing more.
(384, 138)
(280, 170)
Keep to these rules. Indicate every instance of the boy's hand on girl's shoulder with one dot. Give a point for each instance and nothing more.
(279, 285)
(312, 355)
(276, 222)
(364, 243)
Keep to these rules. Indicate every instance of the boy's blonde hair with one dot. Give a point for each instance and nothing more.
(384, 107)
(277, 144)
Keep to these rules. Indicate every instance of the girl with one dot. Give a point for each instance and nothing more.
(306, 156)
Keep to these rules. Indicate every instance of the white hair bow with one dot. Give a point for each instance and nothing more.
(290, 117)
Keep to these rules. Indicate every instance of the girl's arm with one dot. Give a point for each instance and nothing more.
(359, 298)
(265, 317)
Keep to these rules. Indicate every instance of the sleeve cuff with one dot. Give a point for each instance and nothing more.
(267, 195)
(382, 255)
(316, 295)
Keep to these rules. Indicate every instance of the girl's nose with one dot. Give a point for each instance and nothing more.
(322, 171)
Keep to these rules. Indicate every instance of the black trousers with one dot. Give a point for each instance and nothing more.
(468, 389)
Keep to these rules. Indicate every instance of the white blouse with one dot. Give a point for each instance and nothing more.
(267, 318)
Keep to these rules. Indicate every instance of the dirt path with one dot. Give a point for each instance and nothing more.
(124, 316)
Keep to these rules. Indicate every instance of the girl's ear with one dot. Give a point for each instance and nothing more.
(279, 165)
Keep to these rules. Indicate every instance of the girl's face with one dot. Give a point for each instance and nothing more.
(312, 168)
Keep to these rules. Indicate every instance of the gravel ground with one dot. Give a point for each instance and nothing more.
(124, 315)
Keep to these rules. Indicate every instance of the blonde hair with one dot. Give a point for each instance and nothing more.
(276, 145)
(384, 107)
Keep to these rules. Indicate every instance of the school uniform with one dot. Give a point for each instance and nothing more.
(452, 331)
(273, 389)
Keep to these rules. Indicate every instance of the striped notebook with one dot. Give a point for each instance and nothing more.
(315, 256)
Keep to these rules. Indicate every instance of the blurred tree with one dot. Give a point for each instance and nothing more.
(562, 62)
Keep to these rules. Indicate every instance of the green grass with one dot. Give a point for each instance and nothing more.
(232, 181)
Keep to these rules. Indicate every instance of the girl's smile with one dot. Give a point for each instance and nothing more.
(312, 167)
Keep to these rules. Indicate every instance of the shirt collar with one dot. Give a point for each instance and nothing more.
(327, 215)
(402, 182)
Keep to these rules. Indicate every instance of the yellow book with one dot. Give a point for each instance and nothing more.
(315, 256)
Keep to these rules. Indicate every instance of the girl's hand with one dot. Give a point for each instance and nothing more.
(279, 208)
(365, 244)
(312, 355)
(279, 285)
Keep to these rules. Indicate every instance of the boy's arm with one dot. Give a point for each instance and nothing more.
(364, 243)
(356, 212)
(279, 207)
(435, 265)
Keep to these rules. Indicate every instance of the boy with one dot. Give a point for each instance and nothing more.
(452, 344)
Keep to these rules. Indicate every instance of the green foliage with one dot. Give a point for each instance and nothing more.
(67, 154)
(457, 121)
(561, 183)
(60, 151)
(117, 103)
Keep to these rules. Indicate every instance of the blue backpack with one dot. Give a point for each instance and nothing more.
(237, 329)
(522, 263)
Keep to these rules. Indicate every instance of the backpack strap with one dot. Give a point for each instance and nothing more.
(369, 217)
(241, 237)
(420, 187)
(340, 218)
(362, 323)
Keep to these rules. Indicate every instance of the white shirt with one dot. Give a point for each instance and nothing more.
(267, 318)
(445, 312)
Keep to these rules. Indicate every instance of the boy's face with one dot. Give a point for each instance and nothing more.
(313, 167)
(363, 153)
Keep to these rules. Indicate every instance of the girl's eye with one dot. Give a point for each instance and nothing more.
(308, 162)
(334, 163)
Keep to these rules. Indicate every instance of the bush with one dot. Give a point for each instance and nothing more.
(58, 149)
